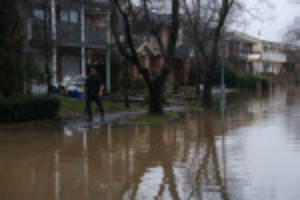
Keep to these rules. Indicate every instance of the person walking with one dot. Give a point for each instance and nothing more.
(93, 92)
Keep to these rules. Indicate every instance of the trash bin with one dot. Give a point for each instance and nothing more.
(75, 94)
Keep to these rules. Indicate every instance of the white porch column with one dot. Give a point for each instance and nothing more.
(54, 38)
(83, 58)
(108, 55)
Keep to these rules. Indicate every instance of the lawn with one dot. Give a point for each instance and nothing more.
(77, 106)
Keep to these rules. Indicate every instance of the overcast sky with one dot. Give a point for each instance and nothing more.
(275, 19)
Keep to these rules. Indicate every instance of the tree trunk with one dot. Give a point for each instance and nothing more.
(156, 99)
(207, 95)
(126, 98)
(156, 103)
(198, 78)
(207, 100)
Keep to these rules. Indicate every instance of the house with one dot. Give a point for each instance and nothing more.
(149, 50)
(239, 51)
(65, 34)
(183, 62)
(271, 60)
(266, 57)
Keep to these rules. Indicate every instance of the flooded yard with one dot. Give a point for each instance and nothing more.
(249, 151)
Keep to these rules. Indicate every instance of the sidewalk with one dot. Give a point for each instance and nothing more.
(113, 117)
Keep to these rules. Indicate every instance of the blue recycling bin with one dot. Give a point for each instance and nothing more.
(76, 94)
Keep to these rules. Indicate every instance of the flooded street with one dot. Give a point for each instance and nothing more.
(249, 152)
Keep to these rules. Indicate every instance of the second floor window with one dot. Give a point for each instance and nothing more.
(39, 14)
(64, 15)
(69, 16)
(74, 16)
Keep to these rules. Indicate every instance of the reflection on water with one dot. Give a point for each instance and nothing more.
(250, 151)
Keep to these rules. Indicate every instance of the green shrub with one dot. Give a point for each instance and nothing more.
(26, 108)
(232, 79)
(249, 82)
(138, 84)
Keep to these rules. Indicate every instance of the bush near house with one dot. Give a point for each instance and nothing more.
(138, 84)
(235, 80)
(29, 107)
(248, 82)
(232, 79)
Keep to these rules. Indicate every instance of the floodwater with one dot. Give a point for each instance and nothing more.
(249, 151)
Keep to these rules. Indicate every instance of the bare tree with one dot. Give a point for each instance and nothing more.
(12, 43)
(155, 82)
(292, 34)
(206, 25)
(206, 21)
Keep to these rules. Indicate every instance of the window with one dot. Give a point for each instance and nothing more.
(64, 16)
(69, 16)
(74, 16)
(39, 14)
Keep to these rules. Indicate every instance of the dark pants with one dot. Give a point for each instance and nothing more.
(98, 102)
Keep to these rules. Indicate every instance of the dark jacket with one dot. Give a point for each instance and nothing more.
(92, 85)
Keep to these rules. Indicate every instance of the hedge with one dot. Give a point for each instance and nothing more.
(30, 107)
(249, 82)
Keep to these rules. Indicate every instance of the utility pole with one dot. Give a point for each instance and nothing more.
(108, 54)
(222, 78)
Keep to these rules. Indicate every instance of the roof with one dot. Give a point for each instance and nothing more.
(240, 39)
(147, 46)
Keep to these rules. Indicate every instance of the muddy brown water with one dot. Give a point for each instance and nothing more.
(249, 151)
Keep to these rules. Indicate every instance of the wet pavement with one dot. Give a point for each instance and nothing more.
(251, 150)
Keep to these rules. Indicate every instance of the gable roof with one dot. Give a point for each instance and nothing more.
(146, 45)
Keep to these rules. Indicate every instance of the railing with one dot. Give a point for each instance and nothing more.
(69, 35)
(245, 56)
(274, 57)
(254, 57)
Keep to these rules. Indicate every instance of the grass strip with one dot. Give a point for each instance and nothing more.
(146, 119)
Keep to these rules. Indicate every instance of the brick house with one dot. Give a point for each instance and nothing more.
(148, 48)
